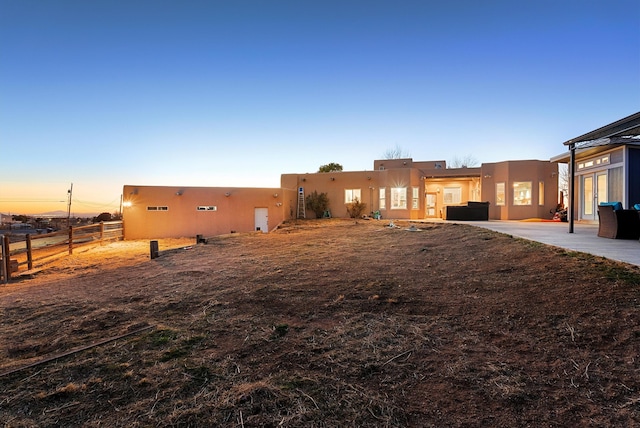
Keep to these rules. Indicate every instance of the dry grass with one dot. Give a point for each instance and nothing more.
(326, 323)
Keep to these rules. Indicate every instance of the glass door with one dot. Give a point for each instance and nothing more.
(431, 205)
(588, 200)
(594, 191)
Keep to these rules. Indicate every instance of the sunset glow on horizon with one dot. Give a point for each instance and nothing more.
(104, 94)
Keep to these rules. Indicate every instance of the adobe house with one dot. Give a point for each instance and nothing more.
(604, 166)
(396, 188)
(404, 189)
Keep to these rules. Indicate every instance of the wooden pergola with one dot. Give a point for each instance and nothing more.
(618, 132)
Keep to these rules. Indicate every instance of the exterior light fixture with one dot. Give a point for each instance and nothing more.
(275, 195)
(126, 204)
(332, 179)
(487, 176)
(227, 194)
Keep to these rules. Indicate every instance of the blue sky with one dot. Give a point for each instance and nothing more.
(235, 93)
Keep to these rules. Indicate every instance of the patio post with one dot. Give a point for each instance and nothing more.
(572, 190)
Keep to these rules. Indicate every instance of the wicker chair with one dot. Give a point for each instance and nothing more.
(618, 224)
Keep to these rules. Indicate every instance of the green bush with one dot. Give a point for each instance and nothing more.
(318, 203)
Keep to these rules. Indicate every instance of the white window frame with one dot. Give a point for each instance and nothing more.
(350, 195)
(382, 199)
(454, 192)
(415, 198)
(501, 189)
(398, 198)
(521, 199)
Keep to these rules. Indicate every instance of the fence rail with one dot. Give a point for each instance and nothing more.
(37, 250)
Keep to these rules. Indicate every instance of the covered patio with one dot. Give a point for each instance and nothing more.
(604, 166)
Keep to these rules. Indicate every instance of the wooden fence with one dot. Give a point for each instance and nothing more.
(37, 250)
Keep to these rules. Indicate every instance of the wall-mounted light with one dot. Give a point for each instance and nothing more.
(275, 195)
(368, 178)
(332, 179)
(227, 194)
(487, 176)
(279, 204)
(179, 193)
(304, 179)
(126, 204)
(437, 189)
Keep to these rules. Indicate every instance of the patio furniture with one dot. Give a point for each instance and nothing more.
(618, 223)
(473, 211)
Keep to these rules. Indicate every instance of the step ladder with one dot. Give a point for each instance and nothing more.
(301, 208)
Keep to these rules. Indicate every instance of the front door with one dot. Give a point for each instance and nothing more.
(431, 205)
(262, 219)
(594, 191)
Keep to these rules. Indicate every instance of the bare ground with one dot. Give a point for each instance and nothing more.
(325, 323)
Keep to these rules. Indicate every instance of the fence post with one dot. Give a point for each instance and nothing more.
(6, 259)
(70, 240)
(153, 247)
(3, 265)
(29, 252)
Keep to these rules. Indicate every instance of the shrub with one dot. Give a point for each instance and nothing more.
(318, 203)
(356, 208)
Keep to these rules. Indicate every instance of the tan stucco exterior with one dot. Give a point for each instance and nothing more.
(397, 189)
(169, 212)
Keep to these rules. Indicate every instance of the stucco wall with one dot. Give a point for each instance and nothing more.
(509, 172)
(234, 210)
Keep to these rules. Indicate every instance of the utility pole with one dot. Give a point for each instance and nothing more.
(70, 194)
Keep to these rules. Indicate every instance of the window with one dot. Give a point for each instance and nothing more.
(350, 195)
(452, 195)
(500, 199)
(382, 204)
(398, 198)
(157, 208)
(521, 193)
(207, 208)
(540, 192)
(415, 198)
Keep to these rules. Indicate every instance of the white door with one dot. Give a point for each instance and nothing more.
(594, 191)
(262, 219)
(431, 204)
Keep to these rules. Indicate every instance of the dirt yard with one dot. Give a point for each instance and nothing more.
(324, 323)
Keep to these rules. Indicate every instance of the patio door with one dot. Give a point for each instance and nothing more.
(594, 191)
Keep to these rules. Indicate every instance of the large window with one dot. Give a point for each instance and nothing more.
(521, 193)
(350, 195)
(382, 204)
(415, 198)
(500, 197)
(540, 192)
(452, 195)
(398, 198)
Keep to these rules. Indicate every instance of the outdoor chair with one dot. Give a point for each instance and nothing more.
(618, 223)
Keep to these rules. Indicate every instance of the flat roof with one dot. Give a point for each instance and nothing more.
(627, 126)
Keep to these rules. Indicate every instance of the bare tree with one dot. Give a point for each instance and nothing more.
(467, 161)
(396, 153)
(563, 182)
